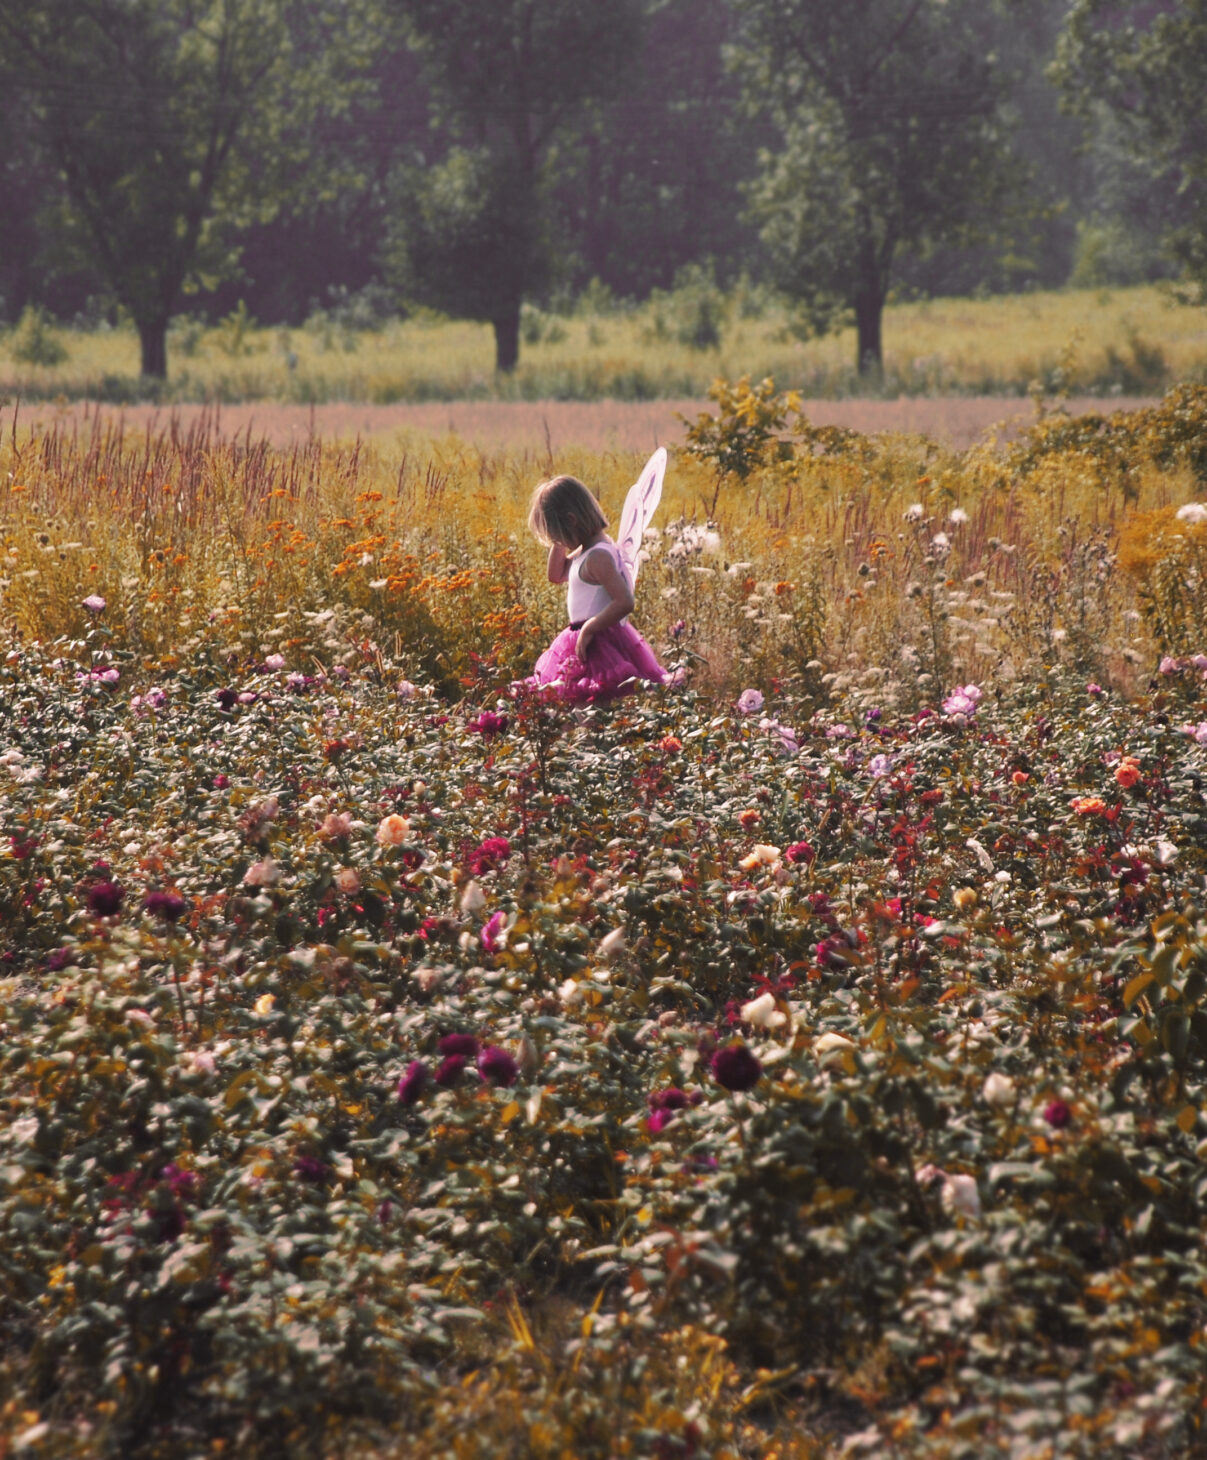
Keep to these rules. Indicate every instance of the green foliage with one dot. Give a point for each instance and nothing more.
(892, 138)
(174, 126)
(745, 434)
(234, 333)
(693, 312)
(1144, 71)
(467, 238)
(34, 342)
(1110, 255)
(471, 231)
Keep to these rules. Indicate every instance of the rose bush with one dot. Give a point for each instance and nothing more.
(286, 1152)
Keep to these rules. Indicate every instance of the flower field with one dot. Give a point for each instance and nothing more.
(810, 1061)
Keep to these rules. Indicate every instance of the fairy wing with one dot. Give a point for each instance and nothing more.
(639, 507)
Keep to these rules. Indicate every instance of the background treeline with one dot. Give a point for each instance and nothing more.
(372, 156)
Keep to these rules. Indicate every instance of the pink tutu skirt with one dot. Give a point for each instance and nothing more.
(617, 661)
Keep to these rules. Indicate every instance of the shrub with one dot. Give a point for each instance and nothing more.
(34, 342)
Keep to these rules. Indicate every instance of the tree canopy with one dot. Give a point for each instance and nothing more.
(506, 79)
(1145, 66)
(892, 135)
(173, 124)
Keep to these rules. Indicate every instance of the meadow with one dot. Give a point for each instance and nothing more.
(1135, 341)
(806, 1061)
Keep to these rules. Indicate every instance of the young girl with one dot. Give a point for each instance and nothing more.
(600, 655)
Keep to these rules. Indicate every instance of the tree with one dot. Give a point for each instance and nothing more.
(172, 124)
(1140, 69)
(471, 231)
(652, 181)
(893, 136)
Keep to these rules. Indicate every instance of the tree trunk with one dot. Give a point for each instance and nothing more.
(869, 306)
(507, 338)
(153, 340)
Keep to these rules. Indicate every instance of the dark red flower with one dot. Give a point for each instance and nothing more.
(23, 846)
(498, 1065)
(736, 1067)
(449, 1070)
(59, 958)
(800, 852)
(227, 698)
(488, 855)
(666, 1104)
(412, 1085)
(1057, 1114)
(105, 899)
(488, 724)
(166, 905)
(310, 1168)
(462, 1044)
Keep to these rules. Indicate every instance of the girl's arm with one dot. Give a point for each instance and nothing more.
(600, 568)
(558, 568)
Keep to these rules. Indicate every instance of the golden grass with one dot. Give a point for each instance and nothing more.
(895, 565)
(1125, 340)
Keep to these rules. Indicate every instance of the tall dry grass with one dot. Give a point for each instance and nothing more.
(889, 566)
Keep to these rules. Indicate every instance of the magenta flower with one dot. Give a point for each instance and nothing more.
(465, 1045)
(412, 1085)
(799, 852)
(169, 906)
(488, 724)
(666, 1104)
(105, 899)
(488, 855)
(498, 1065)
(1057, 1114)
(94, 603)
(311, 1169)
(449, 1070)
(736, 1067)
(750, 701)
(180, 1183)
(494, 934)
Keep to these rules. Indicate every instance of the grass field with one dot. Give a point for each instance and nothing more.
(1125, 341)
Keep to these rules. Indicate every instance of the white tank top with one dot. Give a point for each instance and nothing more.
(585, 600)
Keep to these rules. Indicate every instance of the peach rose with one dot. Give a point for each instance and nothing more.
(393, 830)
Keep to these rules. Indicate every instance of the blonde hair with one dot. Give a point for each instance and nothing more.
(565, 512)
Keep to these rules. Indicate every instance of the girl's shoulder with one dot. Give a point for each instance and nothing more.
(603, 550)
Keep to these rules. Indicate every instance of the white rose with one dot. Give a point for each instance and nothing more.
(762, 1013)
(998, 1090)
